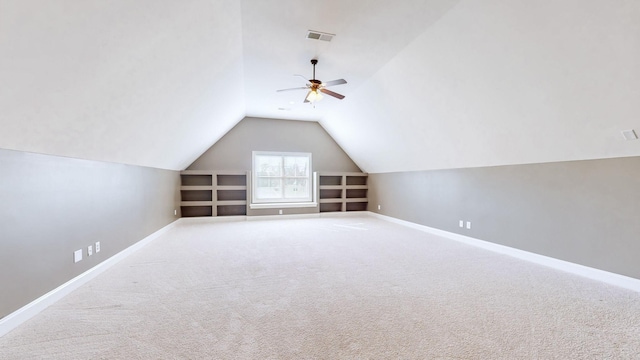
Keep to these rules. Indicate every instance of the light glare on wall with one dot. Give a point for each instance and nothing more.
(629, 134)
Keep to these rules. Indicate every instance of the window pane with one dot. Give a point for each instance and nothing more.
(267, 165)
(281, 178)
(269, 188)
(296, 189)
(296, 166)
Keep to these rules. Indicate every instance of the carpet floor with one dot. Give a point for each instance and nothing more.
(329, 288)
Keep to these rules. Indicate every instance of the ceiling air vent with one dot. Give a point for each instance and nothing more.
(318, 35)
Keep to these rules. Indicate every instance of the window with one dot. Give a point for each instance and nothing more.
(282, 178)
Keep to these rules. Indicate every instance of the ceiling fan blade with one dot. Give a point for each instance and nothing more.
(302, 76)
(331, 93)
(335, 82)
(297, 88)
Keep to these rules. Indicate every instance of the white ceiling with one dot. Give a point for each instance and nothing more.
(369, 33)
(431, 84)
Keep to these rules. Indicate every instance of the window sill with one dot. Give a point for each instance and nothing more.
(283, 205)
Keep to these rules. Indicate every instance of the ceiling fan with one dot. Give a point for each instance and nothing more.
(316, 87)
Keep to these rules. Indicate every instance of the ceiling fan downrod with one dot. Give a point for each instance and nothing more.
(314, 62)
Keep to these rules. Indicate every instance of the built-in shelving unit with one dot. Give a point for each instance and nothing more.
(224, 193)
(213, 193)
(343, 191)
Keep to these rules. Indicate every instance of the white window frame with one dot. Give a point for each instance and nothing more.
(309, 201)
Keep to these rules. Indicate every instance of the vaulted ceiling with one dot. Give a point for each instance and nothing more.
(431, 83)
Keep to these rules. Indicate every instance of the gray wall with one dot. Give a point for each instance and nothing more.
(233, 151)
(585, 212)
(51, 206)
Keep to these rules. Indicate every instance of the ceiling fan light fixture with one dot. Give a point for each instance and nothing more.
(314, 96)
(315, 87)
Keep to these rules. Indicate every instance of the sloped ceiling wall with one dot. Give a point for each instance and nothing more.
(501, 82)
(432, 83)
(369, 33)
(145, 82)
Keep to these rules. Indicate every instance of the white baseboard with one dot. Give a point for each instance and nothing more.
(211, 219)
(214, 219)
(343, 214)
(33, 308)
(331, 214)
(576, 269)
(282, 217)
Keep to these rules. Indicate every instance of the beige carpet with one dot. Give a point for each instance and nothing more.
(329, 288)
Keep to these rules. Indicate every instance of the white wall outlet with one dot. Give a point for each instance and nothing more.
(77, 255)
(175, 212)
(90, 250)
(379, 207)
(280, 212)
(98, 247)
(468, 224)
(461, 223)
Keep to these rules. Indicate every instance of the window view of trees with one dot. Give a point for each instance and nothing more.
(282, 177)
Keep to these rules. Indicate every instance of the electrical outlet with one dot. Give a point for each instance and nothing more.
(77, 255)
(280, 212)
(468, 224)
(379, 207)
(175, 212)
(90, 250)
(97, 246)
(461, 223)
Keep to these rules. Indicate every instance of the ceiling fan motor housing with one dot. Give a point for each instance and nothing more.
(315, 86)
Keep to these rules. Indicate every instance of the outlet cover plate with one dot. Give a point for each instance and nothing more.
(77, 255)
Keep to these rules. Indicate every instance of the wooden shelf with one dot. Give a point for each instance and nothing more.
(346, 173)
(231, 187)
(213, 193)
(196, 187)
(342, 191)
(331, 200)
(331, 187)
(231, 202)
(362, 200)
(357, 187)
(196, 172)
(196, 203)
